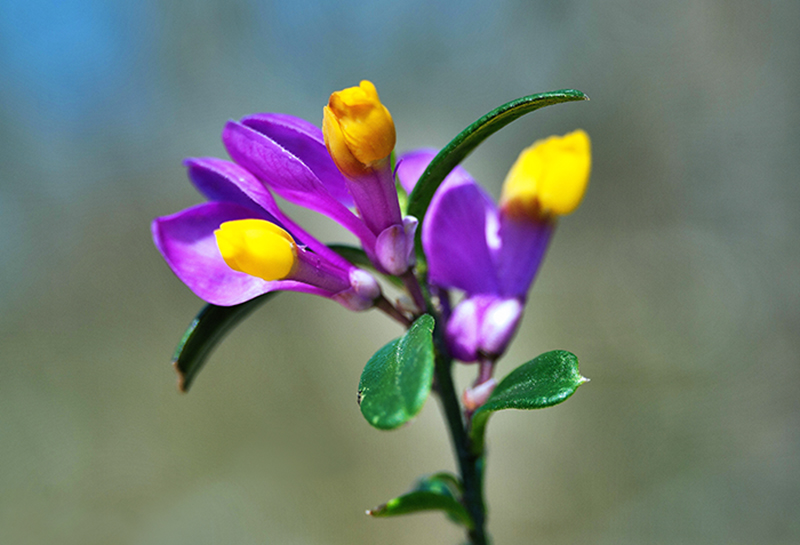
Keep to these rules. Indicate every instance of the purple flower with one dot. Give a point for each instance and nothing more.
(360, 136)
(471, 246)
(188, 243)
(289, 156)
(493, 253)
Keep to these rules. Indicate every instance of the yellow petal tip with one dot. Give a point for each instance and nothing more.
(549, 178)
(358, 129)
(257, 247)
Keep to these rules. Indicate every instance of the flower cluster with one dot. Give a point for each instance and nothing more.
(239, 244)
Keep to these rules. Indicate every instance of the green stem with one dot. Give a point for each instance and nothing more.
(468, 462)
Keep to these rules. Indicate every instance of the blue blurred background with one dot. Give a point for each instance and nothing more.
(676, 282)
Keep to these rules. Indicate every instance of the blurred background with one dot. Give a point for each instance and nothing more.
(676, 282)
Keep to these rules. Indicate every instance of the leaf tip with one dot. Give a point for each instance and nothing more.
(183, 380)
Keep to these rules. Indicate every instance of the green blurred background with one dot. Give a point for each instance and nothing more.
(676, 282)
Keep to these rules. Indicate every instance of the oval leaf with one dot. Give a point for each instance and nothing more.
(435, 493)
(469, 139)
(204, 333)
(397, 380)
(542, 382)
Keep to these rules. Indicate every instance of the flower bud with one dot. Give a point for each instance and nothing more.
(257, 247)
(362, 293)
(394, 247)
(548, 178)
(476, 396)
(358, 129)
(482, 326)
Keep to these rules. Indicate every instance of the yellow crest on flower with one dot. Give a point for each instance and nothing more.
(549, 177)
(358, 129)
(257, 247)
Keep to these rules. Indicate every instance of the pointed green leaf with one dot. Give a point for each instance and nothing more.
(469, 139)
(397, 380)
(439, 492)
(443, 479)
(542, 382)
(203, 335)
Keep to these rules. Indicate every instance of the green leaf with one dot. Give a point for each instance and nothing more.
(469, 139)
(440, 481)
(439, 492)
(358, 257)
(542, 382)
(204, 333)
(397, 380)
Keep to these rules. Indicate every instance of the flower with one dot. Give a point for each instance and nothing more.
(493, 253)
(359, 134)
(288, 155)
(240, 245)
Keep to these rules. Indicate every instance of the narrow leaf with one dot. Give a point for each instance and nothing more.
(397, 380)
(542, 382)
(443, 478)
(469, 139)
(435, 493)
(203, 335)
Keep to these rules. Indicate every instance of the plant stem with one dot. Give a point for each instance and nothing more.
(414, 289)
(468, 462)
(383, 304)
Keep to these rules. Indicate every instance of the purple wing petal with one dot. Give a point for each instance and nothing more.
(221, 180)
(459, 227)
(186, 240)
(524, 244)
(285, 174)
(304, 141)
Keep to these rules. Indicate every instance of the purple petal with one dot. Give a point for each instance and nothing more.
(375, 196)
(524, 244)
(304, 141)
(459, 226)
(186, 240)
(498, 325)
(285, 174)
(411, 165)
(221, 180)
(482, 325)
(462, 332)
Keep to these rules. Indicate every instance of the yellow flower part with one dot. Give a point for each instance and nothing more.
(358, 129)
(550, 177)
(257, 247)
